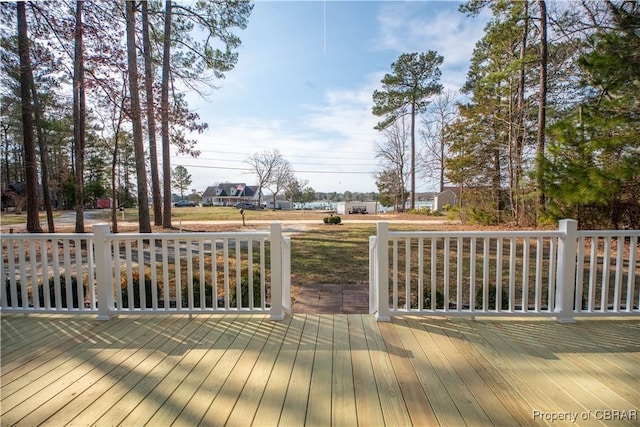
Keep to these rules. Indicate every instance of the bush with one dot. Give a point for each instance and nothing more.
(482, 217)
(491, 305)
(76, 303)
(420, 211)
(208, 294)
(244, 289)
(426, 303)
(7, 286)
(333, 219)
(63, 292)
(149, 290)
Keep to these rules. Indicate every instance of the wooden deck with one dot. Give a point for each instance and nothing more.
(318, 370)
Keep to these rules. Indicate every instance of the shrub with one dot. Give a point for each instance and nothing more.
(149, 290)
(426, 303)
(244, 289)
(63, 292)
(482, 217)
(491, 305)
(421, 211)
(7, 286)
(333, 219)
(208, 293)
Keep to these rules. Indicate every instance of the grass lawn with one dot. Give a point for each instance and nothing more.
(332, 254)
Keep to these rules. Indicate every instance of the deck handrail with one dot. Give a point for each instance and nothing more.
(505, 273)
(108, 274)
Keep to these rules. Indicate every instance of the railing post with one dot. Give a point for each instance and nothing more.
(103, 270)
(382, 276)
(277, 283)
(286, 274)
(373, 290)
(566, 272)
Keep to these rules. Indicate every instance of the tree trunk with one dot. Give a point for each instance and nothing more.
(79, 118)
(114, 163)
(151, 117)
(413, 156)
(42, 146)
(114, 196)
(542, 108)
(519, 139)
(31, 162)
(144, 225)
(166, 155)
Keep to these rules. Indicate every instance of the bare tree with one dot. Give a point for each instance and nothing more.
(265, 165)
(281, 176)
(440, 113)
(392, 152)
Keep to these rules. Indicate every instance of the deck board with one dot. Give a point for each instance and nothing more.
(314, 370)
(272, 400)
(294, 408)
(442, 404)
(343, 407)
(368, 408)
(441, 353)
(206, 353)
(319, 406)
(222, 362)
(394, 408)
(247, 404)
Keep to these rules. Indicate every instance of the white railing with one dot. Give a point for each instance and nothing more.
(113, 274)
(562, 274)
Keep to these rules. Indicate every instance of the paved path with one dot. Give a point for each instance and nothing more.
(332, 299)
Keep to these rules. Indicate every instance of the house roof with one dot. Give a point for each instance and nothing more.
(454, 190)
(231, 189)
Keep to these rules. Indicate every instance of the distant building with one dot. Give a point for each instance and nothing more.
(346, 208)
(280, 204)
(230, 194)
(450, 196)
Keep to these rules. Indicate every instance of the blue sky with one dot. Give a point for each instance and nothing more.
(304, 81)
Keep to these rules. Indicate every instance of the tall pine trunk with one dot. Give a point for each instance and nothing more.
(79, 118)
(30, 158)
(519, 128)
(144, 224)
(166, 155)
(44, 161)
(151, 117)
(542, 108)
(413, 157)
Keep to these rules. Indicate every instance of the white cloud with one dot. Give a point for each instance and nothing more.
(330, 146)
(324, 128)
(407, 28)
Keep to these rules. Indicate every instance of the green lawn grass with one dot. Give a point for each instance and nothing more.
(332, 254)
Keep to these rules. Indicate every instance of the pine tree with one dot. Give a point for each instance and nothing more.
(406, 92)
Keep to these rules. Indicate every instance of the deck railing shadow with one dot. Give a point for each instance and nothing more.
(537, 337)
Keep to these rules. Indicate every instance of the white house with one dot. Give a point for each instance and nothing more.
(230, 194)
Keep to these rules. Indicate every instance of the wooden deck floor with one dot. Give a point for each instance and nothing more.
(318, 370)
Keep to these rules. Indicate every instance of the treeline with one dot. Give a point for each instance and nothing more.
(547, 125)
(94, 92)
